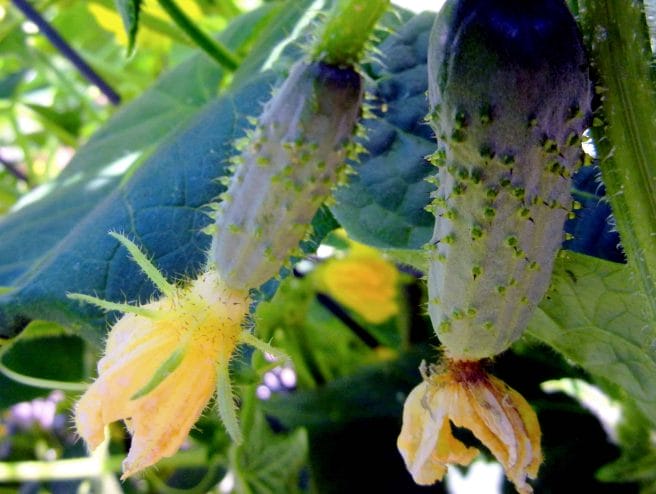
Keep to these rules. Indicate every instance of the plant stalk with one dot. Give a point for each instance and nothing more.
(347, 30)
(625, 129)
(213, 48)
(88, 467)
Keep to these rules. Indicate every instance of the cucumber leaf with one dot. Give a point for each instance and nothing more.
(595, 316)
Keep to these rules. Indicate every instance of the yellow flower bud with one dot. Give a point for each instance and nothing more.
(362, 281)
(466, 395)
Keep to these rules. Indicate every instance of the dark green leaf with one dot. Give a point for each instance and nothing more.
(374, 392)
(384, 203)
(591, 229)
(353, 423)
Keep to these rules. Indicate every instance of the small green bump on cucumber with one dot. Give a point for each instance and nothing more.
(509, 88)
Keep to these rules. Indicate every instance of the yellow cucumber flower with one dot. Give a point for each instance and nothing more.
(467, 396)
(362, 281)
(163, 362)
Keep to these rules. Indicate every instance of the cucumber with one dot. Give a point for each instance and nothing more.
(510, 97)
(287, 168)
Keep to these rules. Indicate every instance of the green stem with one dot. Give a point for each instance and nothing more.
(202, 487)
(37, 382)
(110, 306)
(89, 467)
(262, 346)
(625, 140)
(344, 36)
(213, 48)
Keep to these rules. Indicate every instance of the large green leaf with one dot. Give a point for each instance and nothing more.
(161, 206)
(596, 317)
(638, 460)
(148, 173)
(54, 209)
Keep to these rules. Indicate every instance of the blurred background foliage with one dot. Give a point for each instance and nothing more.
(328, 423)
(48, 109)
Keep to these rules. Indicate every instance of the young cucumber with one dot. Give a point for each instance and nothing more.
(285, 171)
(509, 95)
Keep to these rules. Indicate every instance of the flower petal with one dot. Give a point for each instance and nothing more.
(88, 418)
(201, 323)
(161, 420)
(526, 425)
(488, 421)
(467, 396)
(426, 442)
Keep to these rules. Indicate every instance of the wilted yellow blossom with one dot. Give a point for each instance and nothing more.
(363, 281)
(467, 396)
(163, 362)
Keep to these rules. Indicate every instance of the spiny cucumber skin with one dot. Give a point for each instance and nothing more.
(285, 171)
(510, 95)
